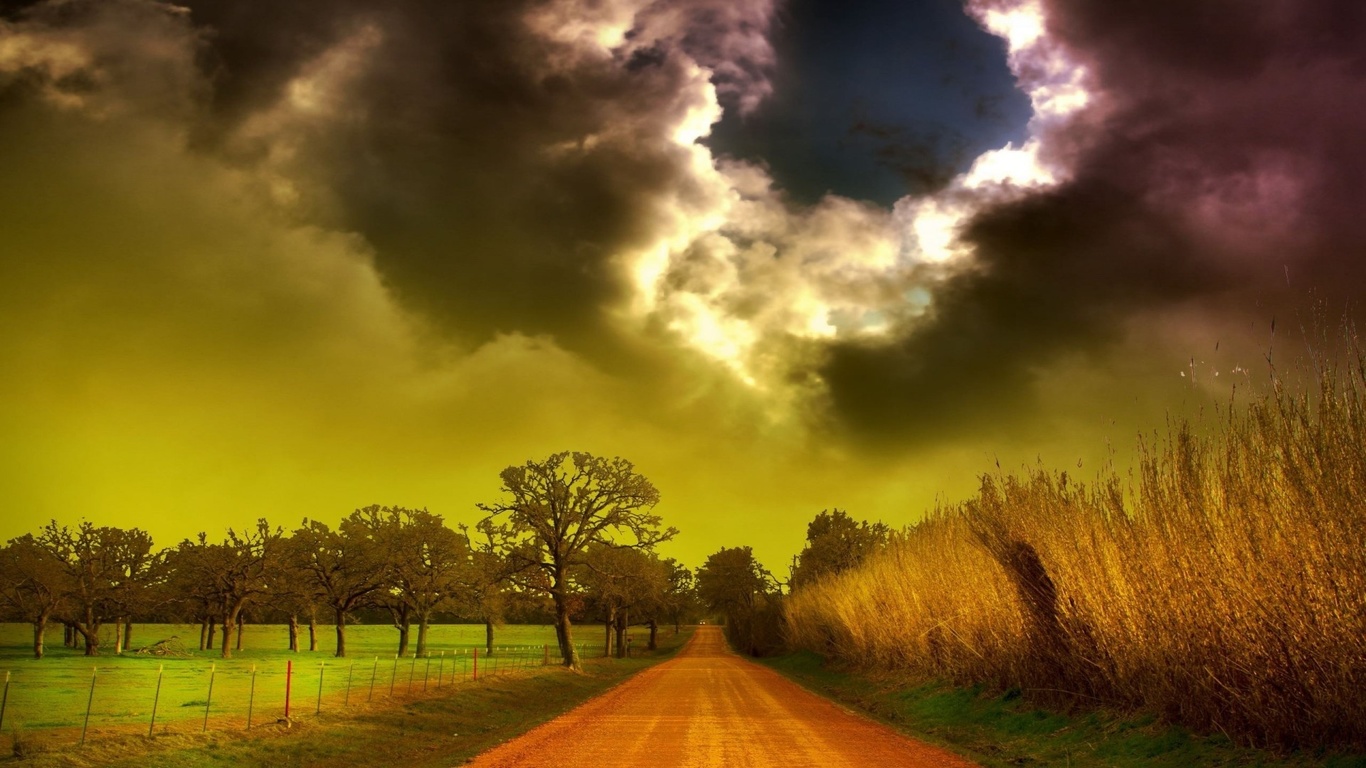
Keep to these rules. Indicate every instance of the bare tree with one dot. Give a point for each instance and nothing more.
(105, 571)
(346, 566)
(32, 585)
(427, 561)
(556, 508)
(240, 570)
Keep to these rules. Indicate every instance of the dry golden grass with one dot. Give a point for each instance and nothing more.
(1222, 585)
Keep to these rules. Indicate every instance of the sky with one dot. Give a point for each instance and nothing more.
(285, 259)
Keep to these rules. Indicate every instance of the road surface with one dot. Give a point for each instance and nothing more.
(709, 708)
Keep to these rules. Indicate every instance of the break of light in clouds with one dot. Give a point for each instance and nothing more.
(265, 259)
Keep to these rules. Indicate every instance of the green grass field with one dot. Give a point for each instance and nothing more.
(54, 692)
(441, 729)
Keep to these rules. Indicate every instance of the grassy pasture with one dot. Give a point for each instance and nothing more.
(54, 692)
(441, 729)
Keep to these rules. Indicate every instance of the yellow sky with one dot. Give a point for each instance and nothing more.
(208, 319)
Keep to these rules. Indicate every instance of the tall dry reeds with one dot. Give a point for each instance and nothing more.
(1223, 585)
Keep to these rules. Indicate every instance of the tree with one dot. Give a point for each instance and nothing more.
(239, 571)
(33, 585)
(680, 597)
(345, 566)
(497, 562)
(188, 581)
(425, 565)
(836, 543)
(104, 569)
(556, 508)
(734, 584)
(619, 580)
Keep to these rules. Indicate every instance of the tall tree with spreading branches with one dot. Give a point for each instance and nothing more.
(554, 509)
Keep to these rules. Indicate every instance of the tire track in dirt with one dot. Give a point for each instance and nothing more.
(709, 708)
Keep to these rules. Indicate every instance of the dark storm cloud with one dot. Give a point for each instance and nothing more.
(497, 172)
(1221, 152)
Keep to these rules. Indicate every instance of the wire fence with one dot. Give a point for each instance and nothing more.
(186, 695)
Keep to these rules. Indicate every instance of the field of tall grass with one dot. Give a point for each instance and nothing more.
(1220, 584)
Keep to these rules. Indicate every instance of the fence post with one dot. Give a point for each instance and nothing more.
(208, 702)
(322, 667)
(393, 676)
(289, 679)
(156, 698)
(94, 672)
(373, 673)
(440, 668)
(412, 670)
(426, 673)
(476, 664)
(4, 700)
(251, 697)
(351, 672)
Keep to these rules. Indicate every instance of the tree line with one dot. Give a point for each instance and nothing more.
(572, 537)
(735, 586)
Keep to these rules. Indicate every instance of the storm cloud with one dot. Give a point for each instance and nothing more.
(1218, 155)
(254, 248)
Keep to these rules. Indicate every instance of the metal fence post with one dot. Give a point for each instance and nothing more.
(156, 699)
(208, 702)
(94, 672)
(322, 667)
(373, 672)
(251, 696)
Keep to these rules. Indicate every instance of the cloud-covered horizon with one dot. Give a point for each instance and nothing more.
(265, 257)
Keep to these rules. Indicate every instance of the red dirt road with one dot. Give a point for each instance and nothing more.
(710, 708)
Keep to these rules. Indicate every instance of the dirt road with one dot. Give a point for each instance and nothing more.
(710, 708)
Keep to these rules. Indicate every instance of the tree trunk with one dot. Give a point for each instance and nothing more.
(229, 623)
(402, 638)
(341, 633)
(654, 636)
(39, 627)
(294, 632)
(118, 636)
(241, 625)
(563, 632)
(422, 635)
(213, 629)
(488, 636)
(203, 633)
(312, 632)
(91, 641)
(68, 636)
(622, 619)
(128, 633)
(91, 634)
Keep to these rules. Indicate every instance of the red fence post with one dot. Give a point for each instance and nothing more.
(289, 676)
(476, 664)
